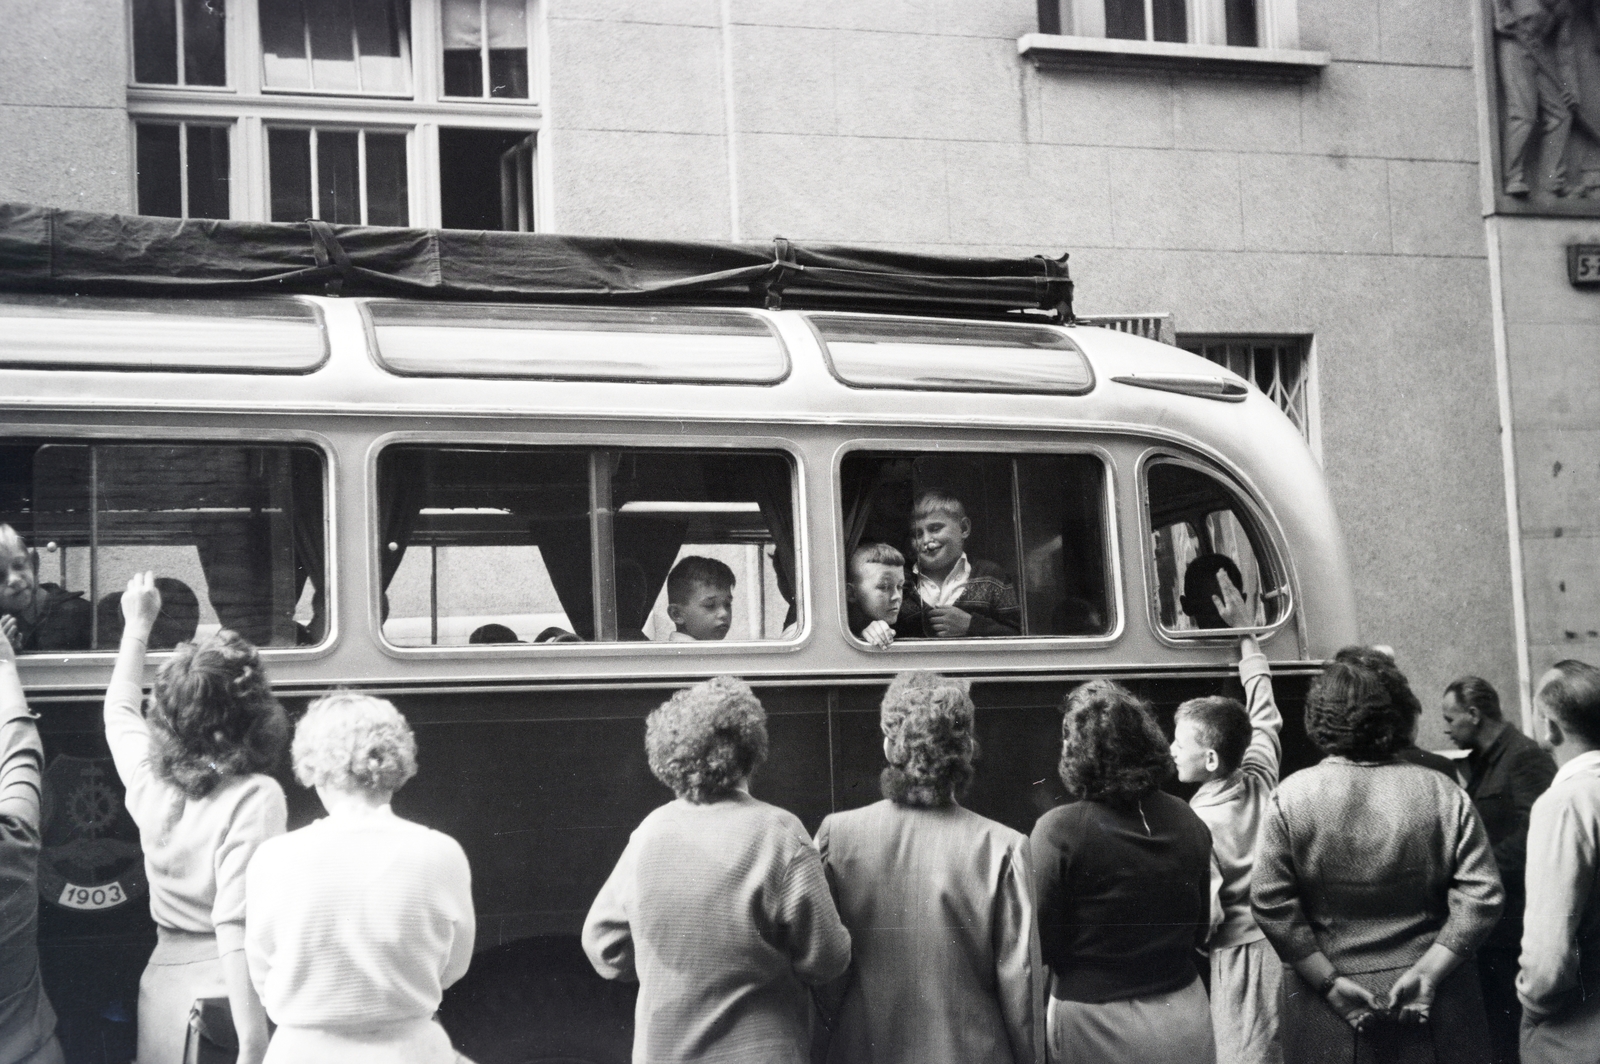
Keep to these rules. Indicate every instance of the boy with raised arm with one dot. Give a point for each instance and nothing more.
(948, 594)
(1234, 754)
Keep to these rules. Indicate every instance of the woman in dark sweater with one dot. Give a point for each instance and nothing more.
(1123, 878)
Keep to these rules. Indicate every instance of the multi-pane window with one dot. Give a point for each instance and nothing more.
(183, 169)
(1278, 365)
(354, 46)
(345, 176)
(1244, 23)
(179, 42)
(375, 112)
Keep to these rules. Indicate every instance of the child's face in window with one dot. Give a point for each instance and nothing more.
(939, 539)
(878, 589)
(707, 614)
(16, 594)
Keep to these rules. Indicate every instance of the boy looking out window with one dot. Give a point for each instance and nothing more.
(948, 594)
(875, 592)
(700, 599)
(1234, 753)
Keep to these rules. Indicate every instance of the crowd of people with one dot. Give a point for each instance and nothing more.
(1385, 904)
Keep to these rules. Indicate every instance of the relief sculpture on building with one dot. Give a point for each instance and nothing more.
(1547, 54)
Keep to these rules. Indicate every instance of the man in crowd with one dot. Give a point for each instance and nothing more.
(1506, 772)
(1559, 981)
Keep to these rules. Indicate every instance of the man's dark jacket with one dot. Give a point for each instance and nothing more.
(1503, 781)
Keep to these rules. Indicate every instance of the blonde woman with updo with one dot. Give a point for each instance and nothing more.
(359, 921)
(938, 901)
(194, 765)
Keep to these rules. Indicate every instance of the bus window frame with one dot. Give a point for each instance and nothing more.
(187, 435)
(591, 442)
(1027, 643)
(1266, 526)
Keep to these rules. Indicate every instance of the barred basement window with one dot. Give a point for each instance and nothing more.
(182, 169)
(1278, 365)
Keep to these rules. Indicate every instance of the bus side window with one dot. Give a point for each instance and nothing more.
(1036, 525)
(1199, 529)
(489, 544)
(234, 534)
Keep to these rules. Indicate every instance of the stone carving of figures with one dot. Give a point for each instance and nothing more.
(1533, 39)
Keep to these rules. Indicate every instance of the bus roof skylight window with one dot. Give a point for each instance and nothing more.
(209, 336)
(493, 544)
(577, 343)
(957, 356)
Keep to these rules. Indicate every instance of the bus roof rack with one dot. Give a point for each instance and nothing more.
(47, 249)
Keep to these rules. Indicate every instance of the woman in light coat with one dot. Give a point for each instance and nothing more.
(938, 901)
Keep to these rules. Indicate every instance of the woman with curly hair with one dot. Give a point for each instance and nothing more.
(1123, 875)
(1374, 882)
(194, 769)
(718, 905)
(357, 922)
(938, 901)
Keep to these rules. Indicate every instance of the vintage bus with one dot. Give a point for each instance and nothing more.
(370, 487)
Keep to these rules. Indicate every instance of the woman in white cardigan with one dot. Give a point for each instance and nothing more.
(358, 922)
(194, 770)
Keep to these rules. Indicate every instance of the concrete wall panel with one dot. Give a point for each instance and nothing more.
(660, 12)
(1244, 116)
(73, 157)
(66, 53)
(1396, 112)
(1173, 199)
(1046, 196)
(669, 185)
(837, 188)
(1433, 209)
(1338, 204)
(1428, 32)
(897, 85)
(1349, 29)
(784, 80)
(1132, 110)
(963, 18)
(636, 76)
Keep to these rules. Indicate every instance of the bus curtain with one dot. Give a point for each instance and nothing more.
(401, 487)
(310, 547)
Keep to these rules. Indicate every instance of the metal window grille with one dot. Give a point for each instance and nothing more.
(1157, 327)
(1275, 364)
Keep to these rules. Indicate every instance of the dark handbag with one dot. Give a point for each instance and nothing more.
(212, 1039)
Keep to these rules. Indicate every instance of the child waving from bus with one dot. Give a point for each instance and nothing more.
(948, 594)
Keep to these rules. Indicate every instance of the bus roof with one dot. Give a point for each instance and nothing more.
(71, 252)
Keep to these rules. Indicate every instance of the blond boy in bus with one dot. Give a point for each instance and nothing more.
(875, 592)
(700, 599)
(35, 615)
(948, 594)
(1234, 755)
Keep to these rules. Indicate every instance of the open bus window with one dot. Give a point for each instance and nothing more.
(491, 544)
(1198, 529)
(1035, 549)
(234, 534)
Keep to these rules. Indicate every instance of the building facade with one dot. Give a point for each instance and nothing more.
(1308, 188)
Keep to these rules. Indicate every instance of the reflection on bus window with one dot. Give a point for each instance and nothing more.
(993, 545)
(1201, 534)
(233, 533)
(494, 545)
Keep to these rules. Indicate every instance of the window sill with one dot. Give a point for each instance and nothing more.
(1101, 53)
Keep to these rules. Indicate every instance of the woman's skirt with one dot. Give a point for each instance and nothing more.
(419, 1041)
(1170, 1028)
(1457, 1031)
(183, 967)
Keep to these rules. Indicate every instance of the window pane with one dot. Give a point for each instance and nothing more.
(333, 66)
(1171, 20)
(964, 525)
(386, 179)
(1241, 20)
(380, 29)
(1198, 530)
(470, 176)
(1125, 19)
(155, 42)
(463, 43)
(508, 49)
(208, 172)
(284, 64)
(160, 186)
(494, 544)
(338, 191)
(289, 166)
(203, 42)
(870, 352)
(234, 534)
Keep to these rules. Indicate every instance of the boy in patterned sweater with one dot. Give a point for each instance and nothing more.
(947, 594)
(1234, 754)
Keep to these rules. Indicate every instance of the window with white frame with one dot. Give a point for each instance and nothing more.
(372, 112)
(1241, 23)
(1279, 365)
